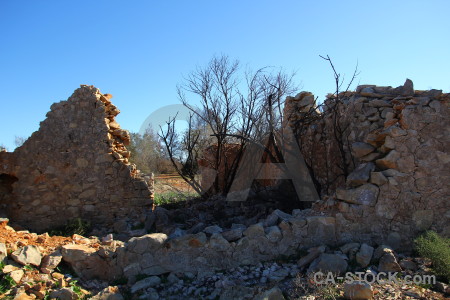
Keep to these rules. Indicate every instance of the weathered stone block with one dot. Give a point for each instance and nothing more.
(360, 149)
(364, 255)
(423, 219)
(254, 230)
(273, 234)
(378, 178)
(358, 290)
(219, 243)
(28, 255)
(389, 161)
(333, 263)
(322, 229)
(149, 242)
(366, 194)
(360, 175)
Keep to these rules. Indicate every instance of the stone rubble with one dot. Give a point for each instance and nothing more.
(28, 255)
(272, 278)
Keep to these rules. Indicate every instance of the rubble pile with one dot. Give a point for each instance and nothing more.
(51, 267)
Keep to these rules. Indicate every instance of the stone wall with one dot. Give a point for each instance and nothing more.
(75, 166)
(392, 180)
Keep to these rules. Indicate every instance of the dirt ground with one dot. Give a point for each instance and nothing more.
(47, 244)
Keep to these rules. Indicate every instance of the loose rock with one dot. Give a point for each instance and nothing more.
(28, 255)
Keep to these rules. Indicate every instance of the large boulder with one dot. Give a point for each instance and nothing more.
(234, 233)
(63, 294)
(388, 263)
(273, 234)
(313, 253)
(149, 242)
(186, 242)
(360, 149)
(366, 194)
(381, 250)
(28, 255)
(364, 255)
(145, 283)
(87, 263)
(333, 263)
(358, 290)
(322, 229)
(423, 219)
(50, 262)
(360, 175)
(254, 230)
(212, 229)
(219, 243)
(389, 161)
(407, 89)
(17, 275)
(108, 293)
(378, 178)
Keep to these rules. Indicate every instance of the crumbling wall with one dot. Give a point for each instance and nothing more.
(75, 166)
(214, 248)
(391, 180)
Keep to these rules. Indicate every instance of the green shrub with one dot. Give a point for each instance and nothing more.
(436, 248)
(172, 197)
(6, 283)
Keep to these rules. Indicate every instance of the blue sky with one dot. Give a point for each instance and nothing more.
(139, 50)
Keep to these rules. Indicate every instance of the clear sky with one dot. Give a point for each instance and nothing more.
(139, 50)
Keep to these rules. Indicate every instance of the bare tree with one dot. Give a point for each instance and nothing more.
(236, 109)
(19, 140)
(339, 130)
(148, 153)
(190, 143)
(331, 113)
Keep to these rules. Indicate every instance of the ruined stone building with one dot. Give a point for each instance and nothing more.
(379, 157)
(75, 166)
(386, 171)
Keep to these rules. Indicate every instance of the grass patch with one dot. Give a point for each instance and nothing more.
(436, 248)
(74, 226)
(28, 268)
(304, 285)
(73, 285)
(172, 197)
(6, 283)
